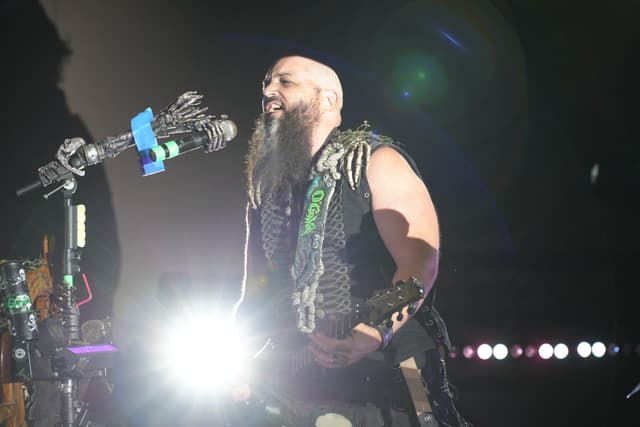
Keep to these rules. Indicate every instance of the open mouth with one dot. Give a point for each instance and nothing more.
(272, 106)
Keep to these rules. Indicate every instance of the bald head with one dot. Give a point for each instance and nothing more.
(299, 88)
(304, 70)
(323, 76)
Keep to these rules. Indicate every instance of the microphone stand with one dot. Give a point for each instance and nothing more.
(63, 356)
(67, 300)
(185, 115)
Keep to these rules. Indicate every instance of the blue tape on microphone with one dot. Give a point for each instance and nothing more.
(145, 140)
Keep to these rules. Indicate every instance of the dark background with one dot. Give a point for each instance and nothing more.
(519, 104)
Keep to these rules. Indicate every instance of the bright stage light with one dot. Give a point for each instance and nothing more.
(598, 349)
(516, 351)
(453, 352)
(530, 351)
(484, 351)
(500, 351)
(560, 351)
(545, 351)
(584, 349)
(468, 352)
(203, 353)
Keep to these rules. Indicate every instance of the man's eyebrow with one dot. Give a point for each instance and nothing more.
(271, 76)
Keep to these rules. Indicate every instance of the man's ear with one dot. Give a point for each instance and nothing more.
(329, 100)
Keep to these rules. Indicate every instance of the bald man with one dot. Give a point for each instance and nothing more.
(333, 216)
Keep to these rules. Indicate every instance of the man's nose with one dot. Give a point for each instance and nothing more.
(269, 90)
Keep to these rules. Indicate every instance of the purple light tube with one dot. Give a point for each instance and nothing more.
(85, 349)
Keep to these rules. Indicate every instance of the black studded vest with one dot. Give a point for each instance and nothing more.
(356, 261)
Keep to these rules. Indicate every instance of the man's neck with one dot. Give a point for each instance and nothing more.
(319, 137)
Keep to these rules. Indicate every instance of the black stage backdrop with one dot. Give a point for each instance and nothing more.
(519, 114)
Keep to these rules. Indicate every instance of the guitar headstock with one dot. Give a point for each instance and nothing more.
(385, 302)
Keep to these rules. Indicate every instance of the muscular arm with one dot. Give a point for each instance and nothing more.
(405, 217)
(406, 220)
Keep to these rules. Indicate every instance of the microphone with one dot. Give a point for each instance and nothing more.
(214, 137)
(183, 117)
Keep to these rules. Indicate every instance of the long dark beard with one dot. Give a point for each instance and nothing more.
(279, 156)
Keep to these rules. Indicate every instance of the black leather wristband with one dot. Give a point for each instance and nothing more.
(386, 333)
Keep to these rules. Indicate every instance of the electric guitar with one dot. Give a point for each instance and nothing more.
(376, 310)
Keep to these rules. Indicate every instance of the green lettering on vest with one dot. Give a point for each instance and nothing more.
(313, 211)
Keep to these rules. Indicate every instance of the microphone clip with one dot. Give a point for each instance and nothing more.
(67, 149)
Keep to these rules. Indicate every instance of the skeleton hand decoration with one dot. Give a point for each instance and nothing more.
(68, 149)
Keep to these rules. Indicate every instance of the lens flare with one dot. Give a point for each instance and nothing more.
(516, 351)
(468, 352)
(420, 76)
(453, 352)
(530, 351)
(185, 349)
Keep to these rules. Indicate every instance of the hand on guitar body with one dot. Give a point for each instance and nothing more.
(332, 352)
(343, 339)
(391, 305)
(338, 341)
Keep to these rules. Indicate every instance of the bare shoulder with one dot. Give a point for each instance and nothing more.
(388, 168)
(402, 206)
(385, 157)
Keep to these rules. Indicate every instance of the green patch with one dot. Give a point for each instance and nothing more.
(313, 210)
(18, 304)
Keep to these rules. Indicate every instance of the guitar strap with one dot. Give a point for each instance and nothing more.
(418, 392)
(434, 372)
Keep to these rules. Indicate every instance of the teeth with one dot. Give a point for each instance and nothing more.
(274, 106)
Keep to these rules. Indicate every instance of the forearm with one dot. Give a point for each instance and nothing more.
(425, 272)
(425, 269)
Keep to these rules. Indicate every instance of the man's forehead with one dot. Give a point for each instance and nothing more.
(275, 74)
(288, 67)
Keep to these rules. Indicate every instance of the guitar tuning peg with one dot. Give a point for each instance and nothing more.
(400, 316)
(411, 310)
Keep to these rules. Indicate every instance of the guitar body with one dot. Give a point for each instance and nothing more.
(287, 352)
(285, 360)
